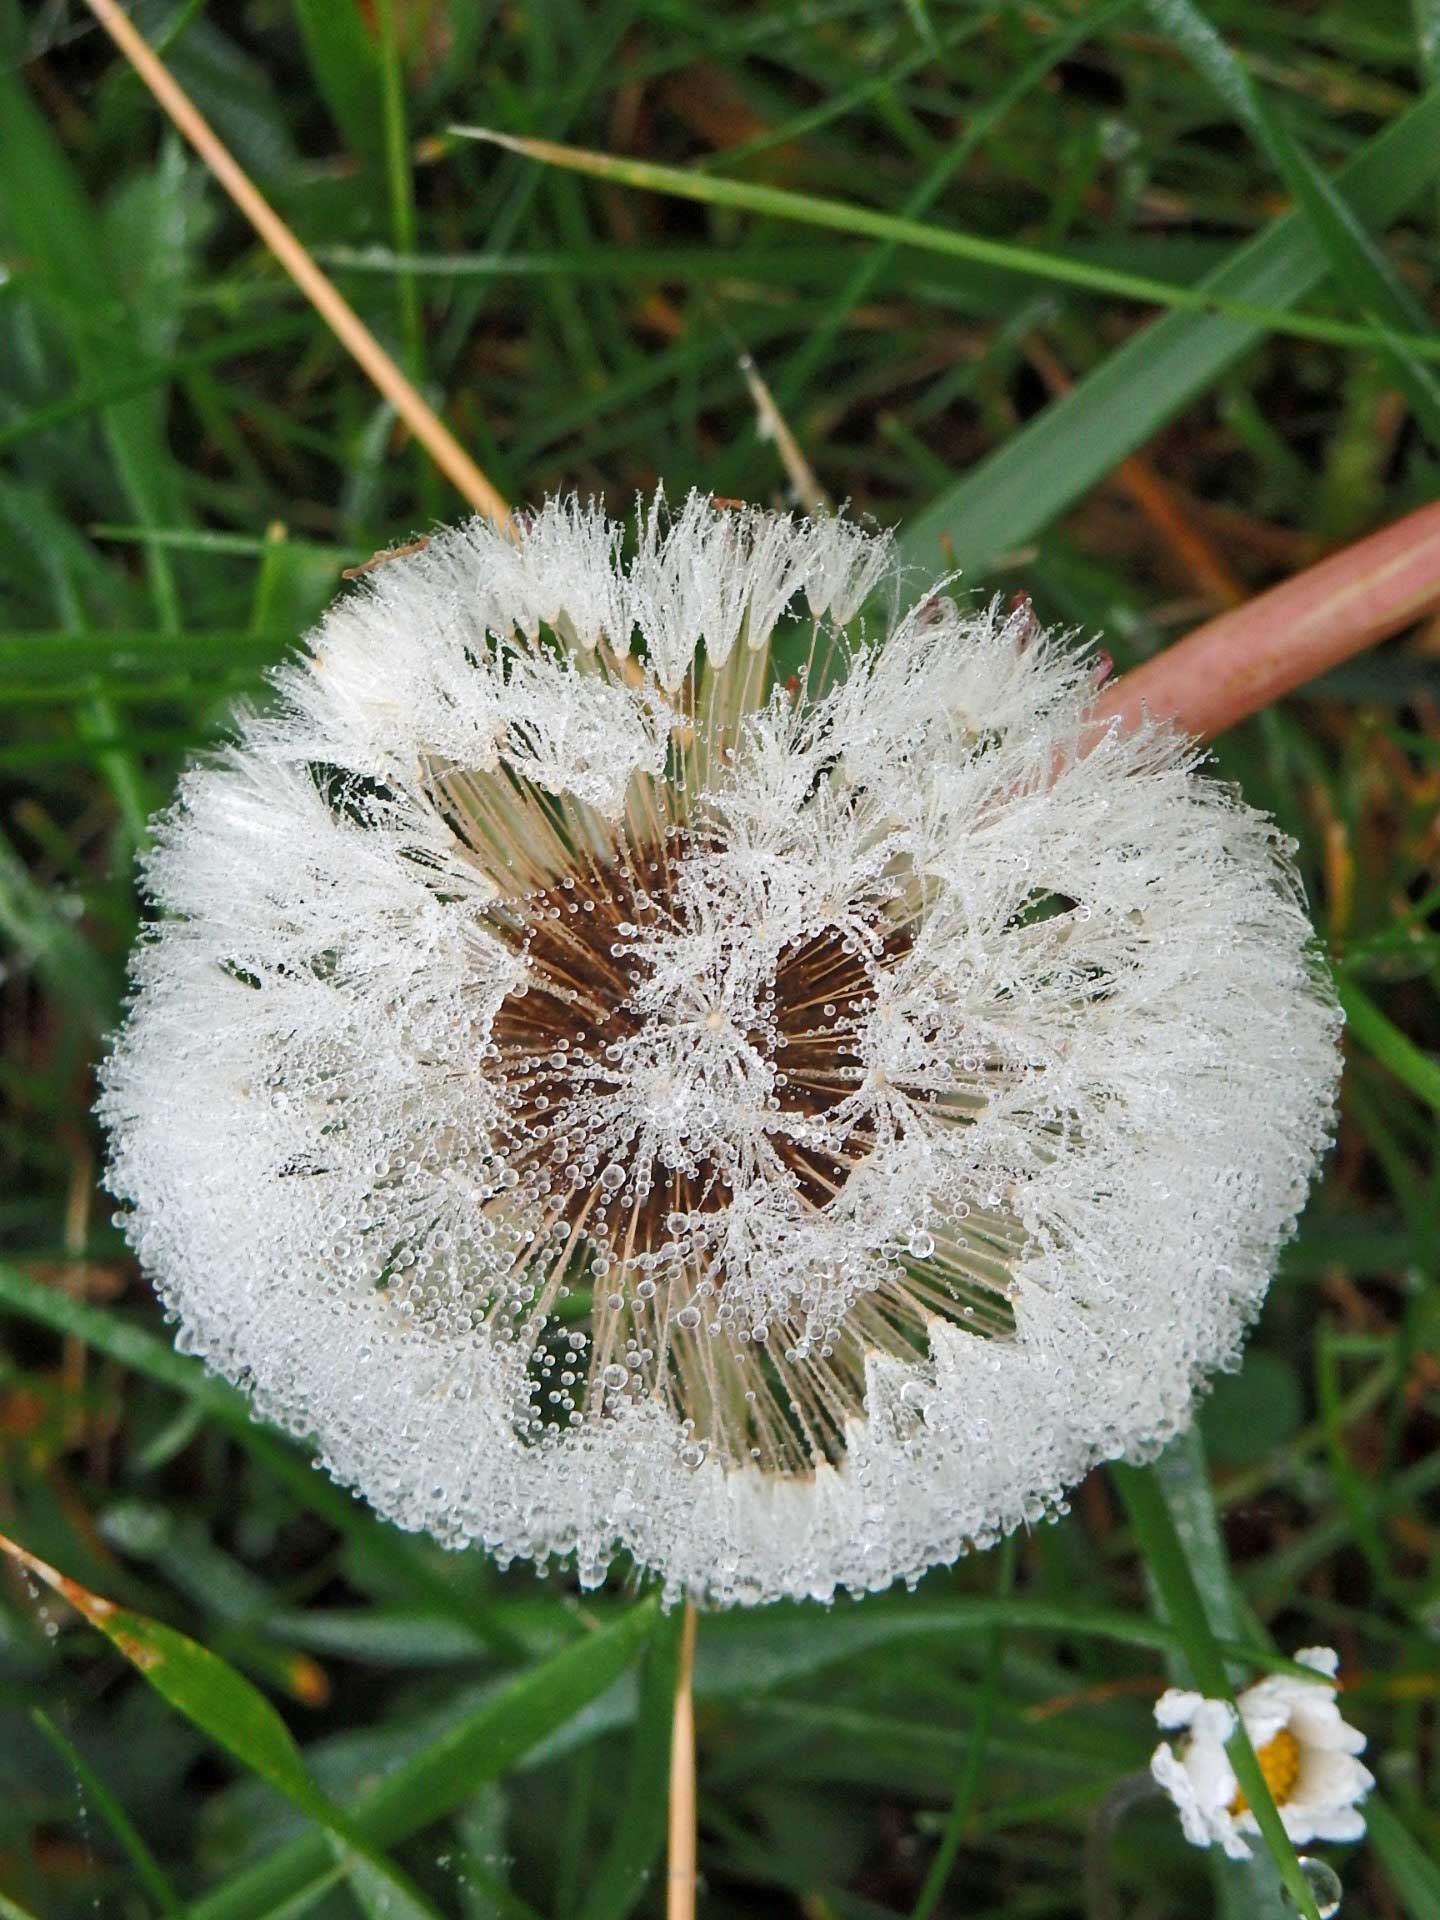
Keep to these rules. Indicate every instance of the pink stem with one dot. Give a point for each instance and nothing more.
(1238, 663)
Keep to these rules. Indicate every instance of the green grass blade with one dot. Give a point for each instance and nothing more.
(1169, 1566)
(866, 222)
(749, 1653)
(432, 1782)
(399, 182)
(1050, 463)
(1359, 266)
(1356, 1488)
(135, 380)
(140, 1350)
(1249, 1887)
(147, 1868)
(629, 1860)
(32, 926)
(129, 656)
(1379, 1036)
(1412, 1871)
(346, 67)
(229, 1711)
(968, 1783)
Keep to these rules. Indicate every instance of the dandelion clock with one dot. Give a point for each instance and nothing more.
(634, 1055)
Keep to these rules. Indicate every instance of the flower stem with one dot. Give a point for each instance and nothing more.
(680, 1894)
(1241, 661)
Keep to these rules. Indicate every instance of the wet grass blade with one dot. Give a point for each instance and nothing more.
(1360, 268)
(1210, 297)
(147, 1868)
(1250, 1888)
(229, 1711)
(1055, 459)
(1169, 1566)
(129, 657)
(34, 928)
(434, 1781)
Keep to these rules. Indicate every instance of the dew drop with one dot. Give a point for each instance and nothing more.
(1324, 1885)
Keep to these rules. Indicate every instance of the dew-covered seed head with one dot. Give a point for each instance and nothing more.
(627, 1060)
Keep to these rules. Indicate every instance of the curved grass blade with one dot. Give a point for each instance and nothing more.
(147, 1868)
(1053, 461)
(435, 1780)
(840, 216)
(1360, 268)
(232, 1713)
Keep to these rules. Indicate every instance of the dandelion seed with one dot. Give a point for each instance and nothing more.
(614, 1089)
(1306, 1751)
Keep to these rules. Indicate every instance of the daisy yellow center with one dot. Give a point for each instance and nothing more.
(1280, 1763)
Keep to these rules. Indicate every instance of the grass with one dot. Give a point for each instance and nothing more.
(1125, 306)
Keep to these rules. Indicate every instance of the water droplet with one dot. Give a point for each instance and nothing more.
(614, 1377)
(1324, 1885)
(922, 1244)
(613, 1178)
(688, 1317)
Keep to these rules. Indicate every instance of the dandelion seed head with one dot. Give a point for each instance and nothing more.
(613, 1092)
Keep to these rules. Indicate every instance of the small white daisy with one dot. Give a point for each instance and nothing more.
(625, 1064)
(1306, 1751)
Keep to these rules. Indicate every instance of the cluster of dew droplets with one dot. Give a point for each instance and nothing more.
(681, 1112)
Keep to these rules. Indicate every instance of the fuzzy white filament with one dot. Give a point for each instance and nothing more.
(624, 1064)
